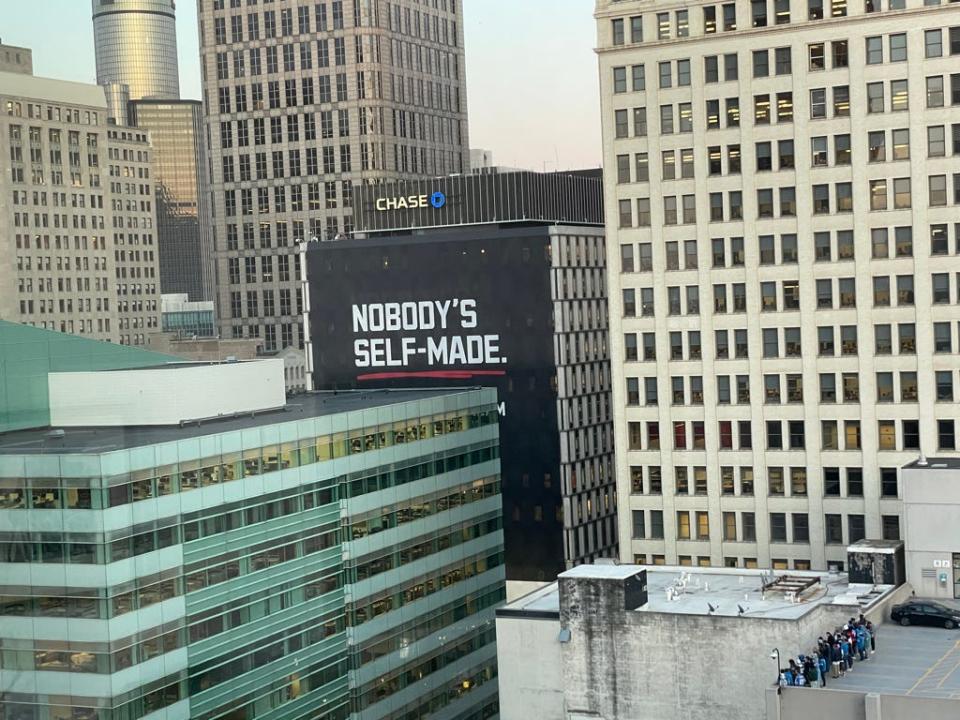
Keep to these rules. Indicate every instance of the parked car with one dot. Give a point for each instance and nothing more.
(924, 612)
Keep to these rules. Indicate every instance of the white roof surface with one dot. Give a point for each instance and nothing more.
(727, 590)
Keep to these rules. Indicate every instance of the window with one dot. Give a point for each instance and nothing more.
(937, 190)
(874, 50)
(784, 62)
(761, 63)
(890, 527)
(639, 529)
(619, 79)
(638, 78)
(801, 528)
(730, 68)
(817, 57)
(933, 43)
(899, 96)
(841, 149)
(703, 526)
(901, 192)
(656, 524)
(888, 482)
(778, 527)
(833, 524)
(944, 381)
(663, 26)
(617, 31)
(622, 129)
(636, 29)
(901, 144)
(876, 146)
(935, 91)
(838, 49)
(818, 102)
(878, 194)
(875, 102)
(785, 157)
(683, 525)
(936, 141)
(666, 75)
(898, 47)
(821, 199)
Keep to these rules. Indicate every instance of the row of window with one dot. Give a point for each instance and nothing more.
(680, 163)
(739, 481)
(831, 294)
(677, 24)
(695, 525)
(788, 435)
(779, 107)
(779, 61)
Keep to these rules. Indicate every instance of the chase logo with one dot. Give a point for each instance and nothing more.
(438, 200)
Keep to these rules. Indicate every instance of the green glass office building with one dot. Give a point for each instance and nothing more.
(336, 558)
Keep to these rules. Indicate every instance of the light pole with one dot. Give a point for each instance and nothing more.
(775, 655)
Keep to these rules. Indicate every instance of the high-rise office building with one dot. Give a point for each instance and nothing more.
(76, 212)
(136, 51)
(234, 558)
(500, 279)
(783, 245)
(136, 45)
(303, 103)
(184, 235)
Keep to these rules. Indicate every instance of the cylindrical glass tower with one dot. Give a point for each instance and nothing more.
(136, 45)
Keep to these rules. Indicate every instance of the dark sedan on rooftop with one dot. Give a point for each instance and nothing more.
(925, 612)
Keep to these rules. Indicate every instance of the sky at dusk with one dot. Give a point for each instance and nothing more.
(532, 88)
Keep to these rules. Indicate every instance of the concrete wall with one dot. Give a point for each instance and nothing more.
(529, 667)
(214, 350)
(801, 704)
(931, 514)
(518, 588)
(164, 395)
(663, 666)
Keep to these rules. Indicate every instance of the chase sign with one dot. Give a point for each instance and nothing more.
(408, 202)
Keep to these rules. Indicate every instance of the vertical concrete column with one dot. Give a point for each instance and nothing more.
(772, 698)
(871, 706)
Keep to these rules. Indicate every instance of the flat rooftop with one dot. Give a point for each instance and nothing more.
(914, 661)
(727, 590)
(36, 441)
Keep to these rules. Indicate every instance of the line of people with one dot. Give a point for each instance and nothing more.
(834, 655)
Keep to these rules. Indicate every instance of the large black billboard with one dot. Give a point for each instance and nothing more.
(448, 308)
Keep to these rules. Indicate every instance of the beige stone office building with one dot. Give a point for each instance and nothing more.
(783, 198)
(76, 214)
(305, 100)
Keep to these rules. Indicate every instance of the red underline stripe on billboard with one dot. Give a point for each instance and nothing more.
(443, 374)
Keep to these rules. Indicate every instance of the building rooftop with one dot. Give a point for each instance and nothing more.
(109, 438)
(915, 661)
(51, 90)
(727, 590)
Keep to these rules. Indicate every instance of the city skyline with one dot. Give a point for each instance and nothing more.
(557, 126)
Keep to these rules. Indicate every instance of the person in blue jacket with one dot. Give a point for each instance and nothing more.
(823, 665)
(862, 642)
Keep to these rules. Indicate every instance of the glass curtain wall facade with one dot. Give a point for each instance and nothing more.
(136, 45)
(342, 565)
(182, 199)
